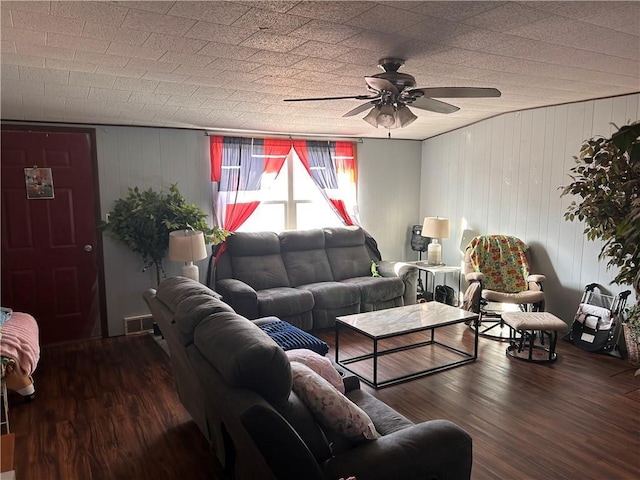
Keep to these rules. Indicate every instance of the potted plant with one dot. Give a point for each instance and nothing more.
(606, 177)
(143, 219)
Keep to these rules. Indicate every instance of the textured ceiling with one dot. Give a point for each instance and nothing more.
(230, 64)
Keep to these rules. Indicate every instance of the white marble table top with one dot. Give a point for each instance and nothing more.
(401, 320)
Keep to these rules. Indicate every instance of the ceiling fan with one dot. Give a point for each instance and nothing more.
(392, 92)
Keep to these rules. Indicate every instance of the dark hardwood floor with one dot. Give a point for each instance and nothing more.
(578, 418)
(107, 409)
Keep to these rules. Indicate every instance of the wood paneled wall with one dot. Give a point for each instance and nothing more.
(503, 175)
(146, 158)
(388, 193)
(498, 176)
(154, 157)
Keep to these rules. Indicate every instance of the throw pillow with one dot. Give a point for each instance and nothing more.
(319, 364)
(332, 409)
(289, 337)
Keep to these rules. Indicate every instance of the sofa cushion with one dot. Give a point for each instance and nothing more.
(289, 337)
(256, 259)
(244, 244)
(284, 301)
(260, 271)
(310, 266)
(173, 290)
(304, 257)
(347, 253)
(319, 364)
(333, 295)
(377, 289)
(300, 240)
(343, 237)
(245, 356)
(384, 418)
(331, 408)
(193, 310)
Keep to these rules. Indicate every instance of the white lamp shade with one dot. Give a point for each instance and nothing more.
(186, 246)
(435, 227)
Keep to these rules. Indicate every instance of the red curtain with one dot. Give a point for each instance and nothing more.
(332, 166)
(241, 168)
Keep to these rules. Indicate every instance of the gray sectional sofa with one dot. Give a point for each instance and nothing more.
(309, 277)
(237, 384)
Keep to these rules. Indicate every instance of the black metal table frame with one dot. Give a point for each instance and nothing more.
(468, 357)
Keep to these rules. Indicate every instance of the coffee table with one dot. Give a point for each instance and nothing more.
(401, 321)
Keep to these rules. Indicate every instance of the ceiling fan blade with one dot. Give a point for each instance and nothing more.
(426, 103)
(359, 109)
(356, 97)
(381, 84)
(458, 92)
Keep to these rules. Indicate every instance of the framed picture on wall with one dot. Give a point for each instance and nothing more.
(39, 183)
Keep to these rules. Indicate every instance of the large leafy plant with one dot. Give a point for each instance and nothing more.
(606, 178)
(143, 219)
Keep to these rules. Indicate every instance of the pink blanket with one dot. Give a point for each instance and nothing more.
(20, 342)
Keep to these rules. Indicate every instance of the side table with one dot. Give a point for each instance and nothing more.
(434, 270)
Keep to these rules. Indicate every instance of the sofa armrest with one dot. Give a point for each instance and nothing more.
(407, 272)
(273, 435)
(536, 278)
(474, 277)
(265, 320)
(433, 449)
(242, 298)
(351, 382)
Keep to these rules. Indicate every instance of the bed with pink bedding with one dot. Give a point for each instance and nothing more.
(19, 351)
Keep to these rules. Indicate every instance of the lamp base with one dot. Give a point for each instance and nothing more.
(434, 252)
(191, 271)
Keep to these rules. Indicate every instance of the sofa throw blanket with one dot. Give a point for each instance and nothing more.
(502, 260)
(20, 343)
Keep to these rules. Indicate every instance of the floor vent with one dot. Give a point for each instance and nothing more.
(138, 323)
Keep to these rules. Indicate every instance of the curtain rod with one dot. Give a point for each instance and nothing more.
(258, 133)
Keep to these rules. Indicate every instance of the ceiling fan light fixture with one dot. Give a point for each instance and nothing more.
(404, 117)
(372, 117)
(392, 92)
(386, 117)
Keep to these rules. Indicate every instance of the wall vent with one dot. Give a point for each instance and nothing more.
(138, 323)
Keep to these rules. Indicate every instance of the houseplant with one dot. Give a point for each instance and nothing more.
(143, 219)
(606, 178)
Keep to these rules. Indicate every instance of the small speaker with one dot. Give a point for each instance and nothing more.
(418, 242)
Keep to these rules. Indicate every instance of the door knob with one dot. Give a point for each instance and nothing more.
(88, 248)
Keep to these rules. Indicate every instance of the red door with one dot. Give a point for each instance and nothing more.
(49, 241)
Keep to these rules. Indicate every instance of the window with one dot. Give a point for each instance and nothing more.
(317, 187)
(293, 202)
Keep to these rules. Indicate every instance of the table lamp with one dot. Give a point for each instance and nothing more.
(435, 228)
(187, 246)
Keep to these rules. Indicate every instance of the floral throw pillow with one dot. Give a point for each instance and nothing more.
(332, 409)
(319, 364)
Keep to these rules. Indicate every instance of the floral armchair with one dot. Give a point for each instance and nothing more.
(497, 269)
